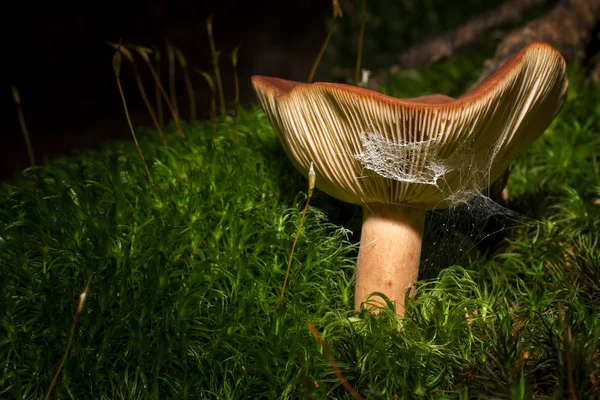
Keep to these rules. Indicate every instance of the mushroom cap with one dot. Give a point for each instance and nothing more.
(368, 147)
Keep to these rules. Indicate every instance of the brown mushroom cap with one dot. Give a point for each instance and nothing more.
(369, 147)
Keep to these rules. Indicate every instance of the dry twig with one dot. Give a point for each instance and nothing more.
(444, 46)
(567, 27)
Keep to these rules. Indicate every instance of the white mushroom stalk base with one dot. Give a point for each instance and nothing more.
(390, 250)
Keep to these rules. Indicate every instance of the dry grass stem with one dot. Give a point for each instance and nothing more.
(213, 101)
(236, 102)
(117, 71)
(143, 52)
(355, 395)
(157, 94)
(215, 62)
(171, 60)
(337, 13)
(361, 39)
(80, 305)
(17, 100)
(188, 82)
(311, 188)
(140, 85)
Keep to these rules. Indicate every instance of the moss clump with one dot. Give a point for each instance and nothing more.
(185, 281)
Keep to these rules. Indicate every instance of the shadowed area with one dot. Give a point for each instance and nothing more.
(62, 66)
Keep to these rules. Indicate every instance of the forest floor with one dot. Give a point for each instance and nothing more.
(184, 281)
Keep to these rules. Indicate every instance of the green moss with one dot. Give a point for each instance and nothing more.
(185, 281)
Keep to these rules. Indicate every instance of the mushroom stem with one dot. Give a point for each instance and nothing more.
(390, 250)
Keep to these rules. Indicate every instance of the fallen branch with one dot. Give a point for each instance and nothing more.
(444, 46)
(567, 27)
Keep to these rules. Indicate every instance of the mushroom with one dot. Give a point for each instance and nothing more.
(399, 158)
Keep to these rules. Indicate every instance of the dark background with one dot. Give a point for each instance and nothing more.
(57, 57)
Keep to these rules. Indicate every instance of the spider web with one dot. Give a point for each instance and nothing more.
(462, 176)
